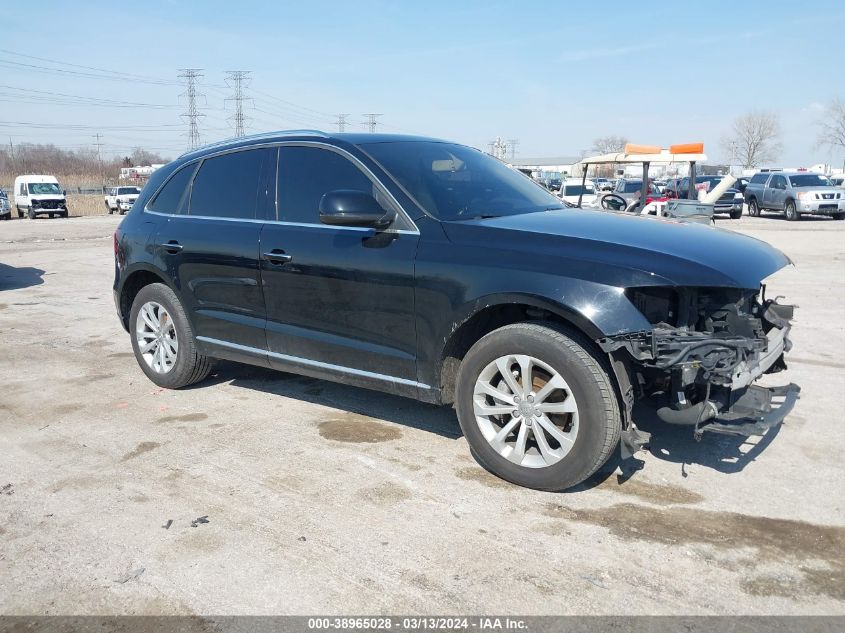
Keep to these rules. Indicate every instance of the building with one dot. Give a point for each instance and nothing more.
(562, 164)
(139, 173)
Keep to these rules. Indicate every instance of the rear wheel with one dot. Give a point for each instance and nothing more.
(537, 408)
(753, 209)
(163, 340)
(791, 212)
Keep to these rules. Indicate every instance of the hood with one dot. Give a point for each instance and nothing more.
(628, 250)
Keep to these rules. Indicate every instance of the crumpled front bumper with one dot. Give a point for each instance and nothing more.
(755, 412)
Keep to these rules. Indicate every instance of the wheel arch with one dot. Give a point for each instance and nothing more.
(494, 312)
(140, 277)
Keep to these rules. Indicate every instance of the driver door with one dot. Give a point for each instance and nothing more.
(339, 299)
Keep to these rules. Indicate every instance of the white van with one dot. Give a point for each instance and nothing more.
(573, 188)
(39, 195)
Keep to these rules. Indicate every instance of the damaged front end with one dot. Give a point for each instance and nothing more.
(698, 362)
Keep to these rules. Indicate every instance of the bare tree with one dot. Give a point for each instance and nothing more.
(832, 125)
(609, 144)
(753, 139)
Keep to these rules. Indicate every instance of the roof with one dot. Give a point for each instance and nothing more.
(548, 160)
(622, 158)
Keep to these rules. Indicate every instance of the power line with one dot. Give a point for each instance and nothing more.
(237, 80)
(341, 122)
(371, 121)
(190, 76)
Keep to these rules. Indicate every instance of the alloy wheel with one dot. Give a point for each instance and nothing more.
(526, 410)
(155, 334)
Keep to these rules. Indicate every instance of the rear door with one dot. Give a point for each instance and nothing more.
(210, 250)
(343, 302)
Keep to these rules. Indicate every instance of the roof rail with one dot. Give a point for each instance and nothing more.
(258, 136)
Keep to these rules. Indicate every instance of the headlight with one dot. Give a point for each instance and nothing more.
(803, 195)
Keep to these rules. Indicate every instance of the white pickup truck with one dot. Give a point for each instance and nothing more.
(121, 199)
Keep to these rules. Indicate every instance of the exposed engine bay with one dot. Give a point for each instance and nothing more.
(706, 348)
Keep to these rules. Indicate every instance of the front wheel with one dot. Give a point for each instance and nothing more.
(163, 340)
(753, 209)
(30, 213)
(736, 215)
(536, 406)
(791, 212)
(836, 216)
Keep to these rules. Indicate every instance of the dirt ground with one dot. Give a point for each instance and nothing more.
(290, 495)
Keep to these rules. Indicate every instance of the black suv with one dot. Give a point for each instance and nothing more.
(431, 270)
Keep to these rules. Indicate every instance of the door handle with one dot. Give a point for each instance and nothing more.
(172, 247)
(277, 256)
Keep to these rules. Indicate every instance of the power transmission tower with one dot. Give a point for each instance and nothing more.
(341, 122)
(514, 143)
(98, 145)
(492, 146)
(237, 80)
(191, 75)
(371, 121)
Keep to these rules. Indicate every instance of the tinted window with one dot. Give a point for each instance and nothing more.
(169, 199)
(454, 182)
(574, 190)
(306, 174)
(633, 185)
(778, 182)
(123, 191)
(759, 179)
(228, 186)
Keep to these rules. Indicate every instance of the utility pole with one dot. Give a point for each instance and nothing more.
(98, 145)
(191, 75)
(513, 142)
(371, 121)
(237, 80)
(341, 122)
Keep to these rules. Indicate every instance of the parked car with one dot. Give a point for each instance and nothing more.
(794, 194)
(5, 206)
(39, 195)
(573, 190)
(431, 270)
(121, 199)
(729, 202)
(603, 184)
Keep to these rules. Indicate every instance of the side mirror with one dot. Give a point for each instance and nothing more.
(346, 207)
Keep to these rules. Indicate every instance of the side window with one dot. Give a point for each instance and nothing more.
(779, 182)
(23, 189)
(306, 174)
(171, 197)
(232, 185)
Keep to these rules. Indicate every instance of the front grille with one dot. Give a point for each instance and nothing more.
(49, 204)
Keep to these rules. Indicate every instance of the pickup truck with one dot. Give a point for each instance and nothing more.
(121, 199)
(794, 194)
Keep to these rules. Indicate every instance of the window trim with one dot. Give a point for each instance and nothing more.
(275, 145)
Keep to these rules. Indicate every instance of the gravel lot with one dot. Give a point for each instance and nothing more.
(322, 498)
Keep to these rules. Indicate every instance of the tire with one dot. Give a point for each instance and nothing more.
(63, 214)
(790, 212)
(190, 366)
(30, 213)
(20, 213)
(51, 215)
(835, 216)
(108, 207)
(736, 215)
(753, 209)
(594, 428)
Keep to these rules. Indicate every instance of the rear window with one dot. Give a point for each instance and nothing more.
(809, 180)
(170, 198)
(759, 179)
(576, 190)
(633, 186)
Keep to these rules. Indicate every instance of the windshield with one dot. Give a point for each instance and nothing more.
(576, 190)
(809, 180)
(454, 182)
(44, 188)
(123, 191)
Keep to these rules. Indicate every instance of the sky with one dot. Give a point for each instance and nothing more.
(555, 75)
